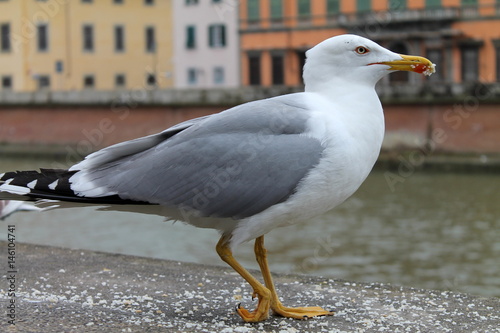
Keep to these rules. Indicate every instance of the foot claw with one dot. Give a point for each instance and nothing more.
(303, 313)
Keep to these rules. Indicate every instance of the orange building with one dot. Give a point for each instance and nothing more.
(461, 36)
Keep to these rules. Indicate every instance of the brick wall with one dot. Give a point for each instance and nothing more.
(463, 128)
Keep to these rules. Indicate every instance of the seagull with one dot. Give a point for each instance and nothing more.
(249, 169)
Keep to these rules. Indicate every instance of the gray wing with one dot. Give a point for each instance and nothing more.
(127, 148)
(233, 164)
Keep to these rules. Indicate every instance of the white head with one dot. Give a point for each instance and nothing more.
(348, 59)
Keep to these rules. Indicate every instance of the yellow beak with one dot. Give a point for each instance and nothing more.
(411, 63)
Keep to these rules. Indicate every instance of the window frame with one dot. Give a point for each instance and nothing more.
(219, 75)
(278, 68)
(43, 82)
(120, 77)
(192, 76)
(253, 10)
(190, 37)
(302, 5)
(119, 38)
(469, 63)
(5, 37)
(45, 38)
(89, 78)
(150, 39)
(88, 38)
(217, 35)
(276, 10)
(4, 79)
(254, 68)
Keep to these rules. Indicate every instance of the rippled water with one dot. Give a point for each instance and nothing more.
(432, 230)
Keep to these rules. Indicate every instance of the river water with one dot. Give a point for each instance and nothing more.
(429, 230)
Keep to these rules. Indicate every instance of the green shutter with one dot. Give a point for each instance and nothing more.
(253, 10)
(276, 9)
(364, 5)
(432, 3)
(223, 35)
(333, 6)
(304, 7)
(191, 37)
(397, 4)
(211, 36)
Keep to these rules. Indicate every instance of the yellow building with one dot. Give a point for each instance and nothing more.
(65, 45)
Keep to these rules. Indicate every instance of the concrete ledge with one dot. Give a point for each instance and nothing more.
(61, 290)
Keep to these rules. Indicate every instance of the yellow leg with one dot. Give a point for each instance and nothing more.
(276, 306)
(263, 294)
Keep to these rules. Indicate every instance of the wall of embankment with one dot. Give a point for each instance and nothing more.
(80, 128)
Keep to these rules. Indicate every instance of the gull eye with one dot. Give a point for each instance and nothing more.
(362, 50)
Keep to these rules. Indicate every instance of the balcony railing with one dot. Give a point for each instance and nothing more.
(349, 20)
(412, 93)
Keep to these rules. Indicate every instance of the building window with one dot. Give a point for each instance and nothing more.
(363, 5)
(469, 2)
(5, 37)
(333, 7)
(87, 1)
(190, 37)
(88, 38)
(397, 4)
(218, 75)
(192, 76)
(42, 37)
(120, 81)
(150, 40)
(89, 82)
(253, 10)
(59, 66)
(118, 2)
(217, 35)
(149, 2)
(470, 63)
(278, 71)
(432, 3)
(304, 8)
(254, 69)
(43, 82)
(301, 57)
(497, 59)
(276, 10)
(399, 76)
(7, 82)
(191, 2)
(151, 80)
(119, 38)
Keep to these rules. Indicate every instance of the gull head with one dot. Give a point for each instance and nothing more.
(346, 59)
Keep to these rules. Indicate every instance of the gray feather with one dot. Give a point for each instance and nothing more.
(233, 164)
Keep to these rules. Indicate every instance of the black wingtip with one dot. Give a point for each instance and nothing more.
(54, 184)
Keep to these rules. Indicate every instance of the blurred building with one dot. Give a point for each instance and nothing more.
(85, 44)
(206, 47)
(461, 36)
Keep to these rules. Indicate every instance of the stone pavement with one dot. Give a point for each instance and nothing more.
(62, 290)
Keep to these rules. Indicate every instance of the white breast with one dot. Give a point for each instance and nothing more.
(352, 143)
